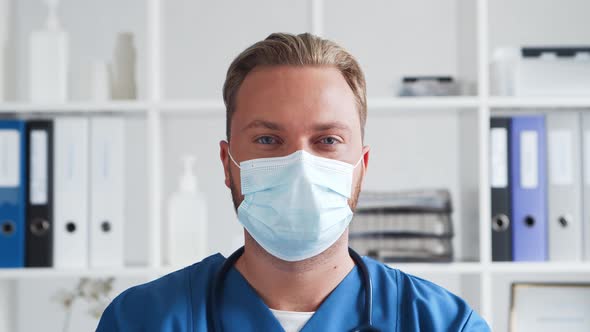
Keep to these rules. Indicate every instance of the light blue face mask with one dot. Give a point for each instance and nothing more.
(295, 206)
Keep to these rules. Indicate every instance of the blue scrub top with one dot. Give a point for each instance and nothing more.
(178, 302)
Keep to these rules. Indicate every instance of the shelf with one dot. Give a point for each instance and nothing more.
(540, 267)
(74, 107)
(213, 106)
(496, 267)
(539, 102)
(439, 268)
(32, 273)
(423, 102)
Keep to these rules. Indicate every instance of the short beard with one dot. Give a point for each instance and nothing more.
(235, 196)
(354, 198)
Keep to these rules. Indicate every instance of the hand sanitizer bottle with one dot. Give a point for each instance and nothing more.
(48, 56)
(187, 220)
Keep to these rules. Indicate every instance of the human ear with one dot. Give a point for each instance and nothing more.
(224, 156)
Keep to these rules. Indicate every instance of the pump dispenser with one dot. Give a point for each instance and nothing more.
(187, 219)
(188, 180)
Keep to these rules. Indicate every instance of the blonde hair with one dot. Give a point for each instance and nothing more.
(296, 50)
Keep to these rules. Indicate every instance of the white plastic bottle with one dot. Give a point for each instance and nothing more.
(48, 60)
(187, 220)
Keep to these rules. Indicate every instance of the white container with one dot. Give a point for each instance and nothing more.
(100, 90)
(187, 220)
(547, 73)
(48, 56)
(553, 75)
(503, 70)
(123, 68)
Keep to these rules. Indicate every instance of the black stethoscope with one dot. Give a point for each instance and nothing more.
(216, 289)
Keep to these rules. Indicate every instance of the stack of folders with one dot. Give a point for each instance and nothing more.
(540, 187)
(410, 226)
(62, 192)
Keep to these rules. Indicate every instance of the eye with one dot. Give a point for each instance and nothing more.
(330, 140)
(266, 140)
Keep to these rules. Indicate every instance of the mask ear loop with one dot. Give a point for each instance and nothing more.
(232, 159)
(357, 163)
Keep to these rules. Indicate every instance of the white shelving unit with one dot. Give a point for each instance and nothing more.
(155, 106)
(75, 107)
(544, 102)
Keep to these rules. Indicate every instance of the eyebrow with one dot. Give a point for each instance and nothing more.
(331, 125)
(263, 124)
(275, 126)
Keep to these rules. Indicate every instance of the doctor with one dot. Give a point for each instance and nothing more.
(294, 161)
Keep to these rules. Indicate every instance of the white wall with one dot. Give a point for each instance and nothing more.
(539, 23)
(415, 38)
(201, 38)
(392, 39)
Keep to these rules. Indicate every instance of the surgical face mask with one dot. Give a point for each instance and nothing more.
(295, 206)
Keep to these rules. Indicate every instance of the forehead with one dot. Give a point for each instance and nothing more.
(297, 93)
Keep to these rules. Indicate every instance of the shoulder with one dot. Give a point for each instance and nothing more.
(424, 305)
(161, 302)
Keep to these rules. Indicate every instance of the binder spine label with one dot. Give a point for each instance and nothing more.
(38, 179)
(9, 158)
(499, 160)
(529, 170)
(560, 148)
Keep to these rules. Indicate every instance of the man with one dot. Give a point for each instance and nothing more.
(294, 161)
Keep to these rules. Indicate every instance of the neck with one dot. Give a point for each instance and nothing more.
(294, 286)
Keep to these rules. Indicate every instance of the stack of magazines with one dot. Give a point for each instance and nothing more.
(408, 226)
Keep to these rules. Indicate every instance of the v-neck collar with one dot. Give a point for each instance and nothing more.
(344, 301)
(248, 311)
